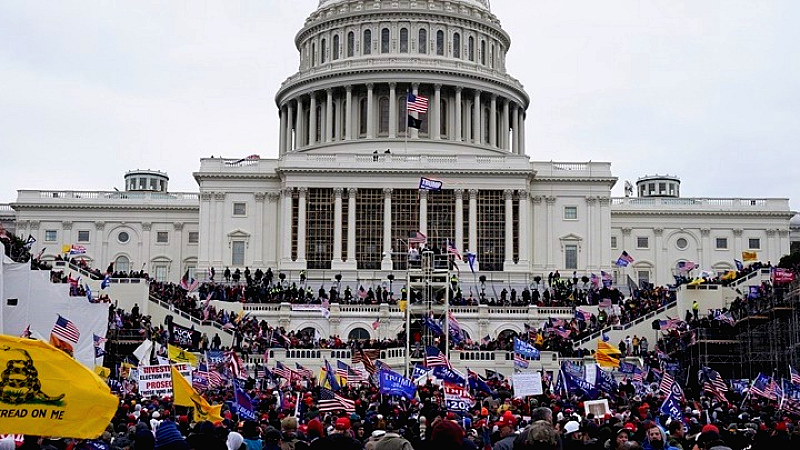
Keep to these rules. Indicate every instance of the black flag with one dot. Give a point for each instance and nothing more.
(413, 122)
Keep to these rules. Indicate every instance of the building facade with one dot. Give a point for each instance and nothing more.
(343, 195)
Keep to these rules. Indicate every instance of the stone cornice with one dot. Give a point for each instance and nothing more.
(106, 207)
(404, 171)
(707, 213)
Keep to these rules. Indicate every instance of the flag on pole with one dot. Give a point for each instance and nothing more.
(417, 103)
(330, 401)
(624, 259)
(188, 282)
(99, 346)
(434, 357)
(451, 249)
(417, 237)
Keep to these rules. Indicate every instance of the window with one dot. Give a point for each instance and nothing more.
(443, 119)
(83, 236)
(570, 213)
(239, 209)
(722, 243)
(682, 243)
(483, 52)
(358, 334)
(385, 40)
(351, 44)
(161, 273)
(643, 275)
(403, 40)
(237, 253)
(642, 242)
(613, 242)
(571, 256)
(162, 237)
(471, 48)
(50, 235)
(383, 110)
(440, 43)
(754, 243)
(422, 39)
(323, 50)
(335, 49)
(123, 237)
(194, 237)
(456, 45)
(313, 54)
(366, 45)
(122, 264)
(362, 115)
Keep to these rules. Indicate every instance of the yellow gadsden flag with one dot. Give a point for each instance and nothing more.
(749, 256)
(44, 392)
(607, 355)
(180, 355)
(185, 395)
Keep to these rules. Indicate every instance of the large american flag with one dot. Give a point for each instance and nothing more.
(330, 401)
(66, 330)
(303, 372)
(417, 103)
(453, 250)
(417, 237)
(434, 357)
(342, 370)
(365, 357)
(355, 375)
(666, 383)
(282, 371)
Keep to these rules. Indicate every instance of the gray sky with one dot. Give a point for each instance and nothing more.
(706, 90)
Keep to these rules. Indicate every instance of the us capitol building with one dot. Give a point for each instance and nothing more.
(342, 196)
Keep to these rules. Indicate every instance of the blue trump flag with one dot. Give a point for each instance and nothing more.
(626, 367)
(525, 349)
(476, 383)
(242, 403)
(433, 326)
(605, 381)
(449, 375)
(392, 383)
(418, 371)
(330, 376)
(672, 404)
(577, 385)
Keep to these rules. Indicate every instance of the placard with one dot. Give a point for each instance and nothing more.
(590, 373)
(157, 380)
(528, 383)
(456, 398)
(597, 407)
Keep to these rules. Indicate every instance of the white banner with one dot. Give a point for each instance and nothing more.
(590, 373)
(527, 383)
(157, 380)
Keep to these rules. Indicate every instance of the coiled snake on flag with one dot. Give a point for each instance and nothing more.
(19, 382)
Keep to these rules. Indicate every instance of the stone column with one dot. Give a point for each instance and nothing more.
(312, 119)
(521, 131)
(705, 236)
(206, 216)
(591, 232)
(413, 132)
(605, 231)
(301, 223)
(457, 115)
(299, 134)
(509, 229)
(392, 110)
(289, 127)
(337, 225)
(370, 111)
(286, 232)
(539, 234)
(258, 235)
(219, 198)
(144, 246)
(282, 133)
(459, 243)
(514, 130)
(524, 229)
(473, 224)
(435, 114)
(329, 115)
(659, 251)
(423, 212)
(271, 214)
(351, 225)
(476, 118)
(493, 121)
(551, 201)
(348, 113)
(386, 264)
(504, 126)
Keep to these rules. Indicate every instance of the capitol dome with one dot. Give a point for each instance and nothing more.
(360, 59)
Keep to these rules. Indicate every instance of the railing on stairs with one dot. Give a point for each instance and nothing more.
(625, 326)
(76, 268)
(187, 316)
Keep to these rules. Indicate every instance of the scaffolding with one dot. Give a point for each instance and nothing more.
(429, 293)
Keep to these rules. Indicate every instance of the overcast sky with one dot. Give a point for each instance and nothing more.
(706, 90)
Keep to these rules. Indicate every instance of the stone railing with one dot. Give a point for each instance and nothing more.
(716, 204)
(110, 197)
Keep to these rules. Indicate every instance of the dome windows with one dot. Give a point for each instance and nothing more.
(403, 40)
(471, 48)
(422, 39)
(440, 43)
(367, 43)
(351, 44)
(335, 49)
(457, 45)
(385, 40)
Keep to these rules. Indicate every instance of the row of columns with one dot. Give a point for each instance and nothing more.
(294, 134)
(350, 257)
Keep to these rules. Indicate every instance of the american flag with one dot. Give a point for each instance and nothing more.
(342, 370)
(638, 375)
(354, 375)
(453, 250)
(365, 357)
(329, 401)
(236, 365)
(434, 357)
(417, 103)
(216, 380)
(283, 371)
(417, 237)
(520, 361)
(714, 381)
(303, 372)
(794, 375)
(669, 324)
(763, 387)
(666, 383)
(278, 339)
(66, 330)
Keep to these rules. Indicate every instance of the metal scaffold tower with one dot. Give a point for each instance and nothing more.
(429, 292)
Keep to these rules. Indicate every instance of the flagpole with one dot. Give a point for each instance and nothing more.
(405, 142)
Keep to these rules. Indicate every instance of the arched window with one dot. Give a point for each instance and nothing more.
(471, 48)
(483, 52)
(366, 46)
(485, 137)
(383, 123)
(456, 45)
(313, 54)
(491, 57)
(335, 50)
(423, 40)
(323, 50)
(122, 264)
(403, 40)
(351, 44)
(362, 117)
(319, 123)
(402, 115)
(358, 334)
(385, 40)
(506, 335)
(440, 43)
(443, 119)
